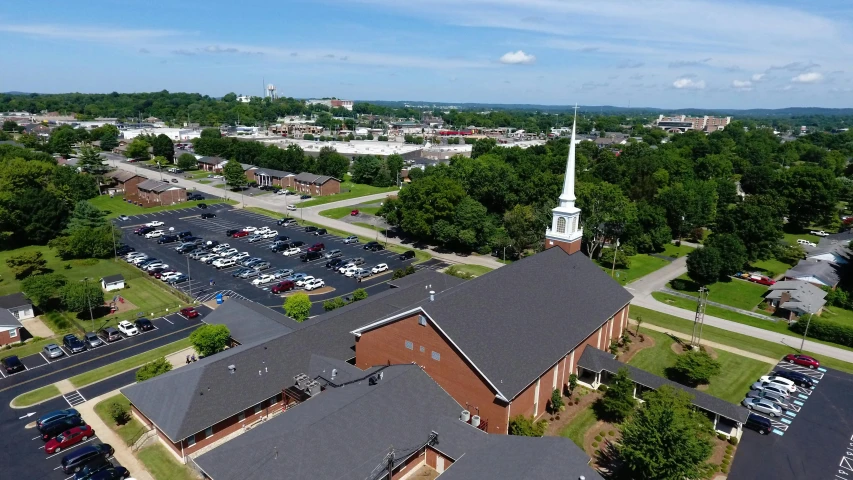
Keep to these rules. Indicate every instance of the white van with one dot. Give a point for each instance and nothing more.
(806, 243)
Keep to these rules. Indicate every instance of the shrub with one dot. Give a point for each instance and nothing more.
(725, 462)
(573, 382)
(733, 441)
(602, 388)
(558, 416)
(556, 401)
(611, 433)
(678, 284)
(622, 260)
(721, 436)
(526, 426)
(152, 369)
(826, 331)
(119, 413)
(696, 367)
(724, 470)
(598, 438)
(614, 347)
(594, 444)
(308, 136)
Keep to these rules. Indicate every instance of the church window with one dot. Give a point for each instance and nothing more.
(561, 225)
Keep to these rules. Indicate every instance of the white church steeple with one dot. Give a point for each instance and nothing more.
(565, 230)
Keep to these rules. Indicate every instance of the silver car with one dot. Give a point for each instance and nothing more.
(771, 397)
(762, 405)
(52, 350)
(771, 387)
(92, 340)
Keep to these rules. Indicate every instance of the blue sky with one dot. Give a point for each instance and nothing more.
(661, 53)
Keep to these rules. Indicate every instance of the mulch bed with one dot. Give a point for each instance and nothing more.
(599, 427)
(572, 410)
(635, 346)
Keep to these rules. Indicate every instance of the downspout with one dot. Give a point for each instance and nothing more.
(183, 458)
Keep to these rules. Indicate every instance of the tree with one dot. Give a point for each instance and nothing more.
(109, 142)
(90, 161)
(525, 426)
(395, 164)
(695, 367)
(333, 303)
(812, 193)
(162, 146)
(40, 289)
(556, 400)
(298, 306)
(235, 176)
(704, 265)
(666, 438)
(161, 161)
(521, 225)
(757, 221)
(210, 339)
(152, 369)
(483, 146)
(367, 169)
(733, 255)
(791, 254)
(119, 412)
(137, 149)
(79, 296)
(10, 126)
(359, 294)
(622, 260)
(332, 163)
(25, 264)
(187, 161)
(211, 133)
(606, 213)
(618, 401)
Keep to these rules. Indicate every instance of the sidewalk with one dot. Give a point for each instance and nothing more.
(714, 345)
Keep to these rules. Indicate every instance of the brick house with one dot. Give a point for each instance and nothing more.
(269, 176)
(10, 328)
(211, 164)
(124, 181)
(792, 299)
(13, 309)
(154, 193)
(317, 185)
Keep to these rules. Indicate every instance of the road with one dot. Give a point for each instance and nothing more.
(278, 203)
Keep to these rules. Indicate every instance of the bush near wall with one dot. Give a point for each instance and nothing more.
(826, 331)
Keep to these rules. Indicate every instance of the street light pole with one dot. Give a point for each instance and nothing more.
(505, 247)
(808, 322)
(89, 301)
(189, 278)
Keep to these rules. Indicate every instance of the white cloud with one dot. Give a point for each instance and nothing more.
(757, 77)
(685, 83)
(743, 85)
(518, 58)
(88, 33)
(810, 77)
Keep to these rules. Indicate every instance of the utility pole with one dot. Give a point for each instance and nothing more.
(89, 302)
(189, 278)
(808, 322)
(699, 320)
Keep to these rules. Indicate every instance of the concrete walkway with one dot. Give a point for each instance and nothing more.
(714, 345)
(278, 203)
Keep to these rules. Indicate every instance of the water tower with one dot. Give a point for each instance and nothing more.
(271, 91)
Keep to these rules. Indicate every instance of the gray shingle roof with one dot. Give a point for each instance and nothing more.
(514, 323)
(211, 160)
(122, 175)
(9, 320)
(189, 399)
(250, 322)
(825, 272)
(804, 296)
(113, 278)
(14, 300)
(156, 186)
(596, 360)
(313, 178)
(273, 173)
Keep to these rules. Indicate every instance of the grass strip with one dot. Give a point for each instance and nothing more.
(577, 428)
(120, 366)
(128, 432)
(36, 396)
(162, 465)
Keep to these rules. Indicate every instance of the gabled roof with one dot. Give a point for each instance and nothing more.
(9, 320)
(113, 279)
(122, 175)
(273, 173)
(156, 186)
(250, 322)
(514, 323)
(825, 272)
(211, 160)
(313, 178)
(596, 360)
(14, 300)
(804, 296)
(189, 399)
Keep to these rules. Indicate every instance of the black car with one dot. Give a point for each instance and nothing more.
(208, 215)
(185, 234)
(376, 248)
(124, 250)
(310, 228)
(320, 231)
(407, 255)
(309, 256)
(758, 423)
(73, 344)
(90, 454)
(281, 238)
(144, 230)
(280, 247)
(296, 243)
(202, 205)
(232, 231)
(143, 324)
(167, 239)
(174, 180)
(12, 364)
(94, 465)
(334, 263)
(304, 197)
(186, 248)
(195, 196)
(56, 415)
(114, 473)
(370, 245)
(798, 378)
(51, 429)
(191, 239)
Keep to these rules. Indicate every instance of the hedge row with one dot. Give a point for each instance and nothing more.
(826, 331)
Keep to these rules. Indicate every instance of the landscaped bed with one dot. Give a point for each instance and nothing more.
(131, 430)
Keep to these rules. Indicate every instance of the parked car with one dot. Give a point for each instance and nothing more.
(53, 428)
(114, 473)
(311, 255)
(758, 423)
(143, 324)
(110, 334)
(262, 265)
(362, 273)
(249, 273)
(310, 228)
(155, 223)
(124, 250)
(56, 415)
(379, 268)
(304, 197)
(202, 206)
(73, 344)
(168, 276)
(189, 312)
(369, 245)
(263, 279)
(762, 280)
(798, 378)
(143, 230)
(92, 340)
(195, 196)
(263, 230)
(68, 438)
(186, 248)
(770, 387)
(221, 247)
(351, 239)
(319, 246)
(270, 234)
(208, 215)
(282, 273)
(313, 284)
(781, 381)
(819, 233)
(297, 276)
(179, 278)
(771, 397)
(255, 238)
(297, 243)
(348, 270)
(250, 229)
(354, 213)
(240, 234)
(320, 231)
(231, 231)
(283, 286)
(301, 282)
(52, 350)
(802, 360)
(167, 239)
(333, 253)
(279, 246)
(75, 460)
(806, 243)
(239, 256)
(334, 263)
(291, 208)
(123, 218)
(376, 247)
(407, 255)
(127, 328)
(762, 405)
(12, 364)
(284, 221)
(291, 251)
(92, 467)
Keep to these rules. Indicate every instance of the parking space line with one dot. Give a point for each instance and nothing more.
(778, 432)
(45, 358)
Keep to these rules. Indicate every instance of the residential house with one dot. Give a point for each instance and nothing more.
(792, 299)
(317, 185)
(817, 272)
(112, 282)
(211, 164)
(269, 176)
(13, 309)
(155, 193)
(124, 181)
(10, 328)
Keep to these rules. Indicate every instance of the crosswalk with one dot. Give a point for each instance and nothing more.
(74, 398)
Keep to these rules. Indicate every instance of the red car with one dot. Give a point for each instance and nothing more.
(802, 360)
(282, 287)
(189, 312)
(354, 213)
(762, 280)
(68, 438)
(241, 233)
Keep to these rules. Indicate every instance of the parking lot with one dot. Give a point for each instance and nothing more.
(206, 281)
(812, 439)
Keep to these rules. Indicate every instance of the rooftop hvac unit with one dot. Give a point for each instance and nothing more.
(475, 421)
(466, 415)
(302, 381)
(313, 388)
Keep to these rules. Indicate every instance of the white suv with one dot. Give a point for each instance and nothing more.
(314, 284)
(779, 381)
(155, 234)
(127, 328)
(224, 262)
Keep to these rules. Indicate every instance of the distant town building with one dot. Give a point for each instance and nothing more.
(331, 103)
(683, 123)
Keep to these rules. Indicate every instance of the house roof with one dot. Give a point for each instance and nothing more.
(113, 278)
(14, 300)
(9, 320)
(156, 186)
(596, 360)
(314, 179)
(250, 322)
(187, 400)
(274, 173)
(804, 296)
(514, 323)
(211, 160)
(825, 272)
(122, 175)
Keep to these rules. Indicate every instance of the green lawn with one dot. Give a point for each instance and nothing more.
(342, 212)
(473, 269)
(577, 428)
(792, 238)
(355, 190)
(204, 181)
(770, 267)
(162, 465)
(838, 315)
(736, 293)
(641, 265)
(130, 431)
(123, 365)
(670, 250)
(725, 337)
(737, 374)
(35, 396)
(117, 206)
(369, 226)
(199, 173)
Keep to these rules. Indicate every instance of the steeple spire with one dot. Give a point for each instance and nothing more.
(567, 198)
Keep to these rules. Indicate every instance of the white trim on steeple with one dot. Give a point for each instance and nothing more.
(568, 196)
(565, 222)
